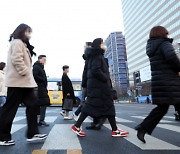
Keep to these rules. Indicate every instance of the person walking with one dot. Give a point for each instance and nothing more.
(84, 82)
(41, 80)
(21, 84)
(3, 89)
(99, 101)
(68, 94)
(165, 86)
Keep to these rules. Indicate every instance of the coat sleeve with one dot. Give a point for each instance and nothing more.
(65, 85)
(170, 55)
(84, 76)
(17, 58)
(97, 69)
(37, 75)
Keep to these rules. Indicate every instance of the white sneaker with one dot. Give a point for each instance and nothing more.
(7, 143)
(37, 137)
(62, 113)
(68, 118)
(75, 117)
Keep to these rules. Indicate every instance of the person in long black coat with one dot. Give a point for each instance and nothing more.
(68, 91)
(99, 101)
(165, 86)
(41, 80)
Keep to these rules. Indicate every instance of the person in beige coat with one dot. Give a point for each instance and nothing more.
(20, 82)
(3, 89)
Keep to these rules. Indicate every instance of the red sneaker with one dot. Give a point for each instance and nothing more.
(117, 133)
(122, 131)
(78, 131)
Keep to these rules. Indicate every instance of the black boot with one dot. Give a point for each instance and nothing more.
(177, 116)
(140, 133)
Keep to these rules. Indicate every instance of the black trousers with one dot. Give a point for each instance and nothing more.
(15, 96)
(151, 121)
(42, 113)
(83, 116)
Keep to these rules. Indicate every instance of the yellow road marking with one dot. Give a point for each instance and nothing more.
(74, 152)
(39, 152)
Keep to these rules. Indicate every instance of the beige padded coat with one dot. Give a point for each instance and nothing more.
(19, 66)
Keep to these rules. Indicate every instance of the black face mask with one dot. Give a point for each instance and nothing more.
(30, 47)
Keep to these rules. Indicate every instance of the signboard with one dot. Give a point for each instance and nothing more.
(145, 73)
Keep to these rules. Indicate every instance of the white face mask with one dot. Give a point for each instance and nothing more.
(103, 46)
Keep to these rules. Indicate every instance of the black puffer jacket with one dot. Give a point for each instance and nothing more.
(99, 100)
(165, 66)
(41, 80)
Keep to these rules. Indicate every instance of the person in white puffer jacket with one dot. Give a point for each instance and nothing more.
(3, 89)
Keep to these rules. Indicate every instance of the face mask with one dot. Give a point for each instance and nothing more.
(103, 46)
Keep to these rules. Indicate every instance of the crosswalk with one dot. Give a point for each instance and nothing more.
(61, 137)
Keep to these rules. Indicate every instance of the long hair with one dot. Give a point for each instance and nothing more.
(97, 43)
(19, 32)
(158, 31)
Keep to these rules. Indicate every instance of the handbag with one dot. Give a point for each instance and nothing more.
(114, 94)
(68, 104)
(42, 96)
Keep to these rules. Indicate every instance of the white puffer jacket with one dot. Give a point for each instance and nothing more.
(3, 89)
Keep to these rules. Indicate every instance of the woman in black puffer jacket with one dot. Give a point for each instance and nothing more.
(165, 68)
(99, 101)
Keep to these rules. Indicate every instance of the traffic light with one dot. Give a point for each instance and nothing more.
(137, 78)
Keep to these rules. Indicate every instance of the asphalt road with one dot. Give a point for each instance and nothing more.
(61, 140)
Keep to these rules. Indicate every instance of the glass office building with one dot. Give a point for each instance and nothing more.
(139, 17)
(117, 58)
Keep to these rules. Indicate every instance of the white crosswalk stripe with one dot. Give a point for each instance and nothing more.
(162, 121)
(169, 117)
(61, 137)
(153, 143)
(50, 119)
(122, 120)
(19, 118)
(16, 127)
(169, 127)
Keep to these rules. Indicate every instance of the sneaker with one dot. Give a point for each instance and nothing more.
(43, 123)
(68, 118)
(177, 117)
(122, 131)
(37, 137)
(62, 113)
(78, 131)
(7, 143)
(117, 133)
(75, 117)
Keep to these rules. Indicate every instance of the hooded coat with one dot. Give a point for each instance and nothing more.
(99, 100)
(165, 68)
(41, 80)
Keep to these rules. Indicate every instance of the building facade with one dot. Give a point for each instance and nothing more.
(117, 58)
(139, 17)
